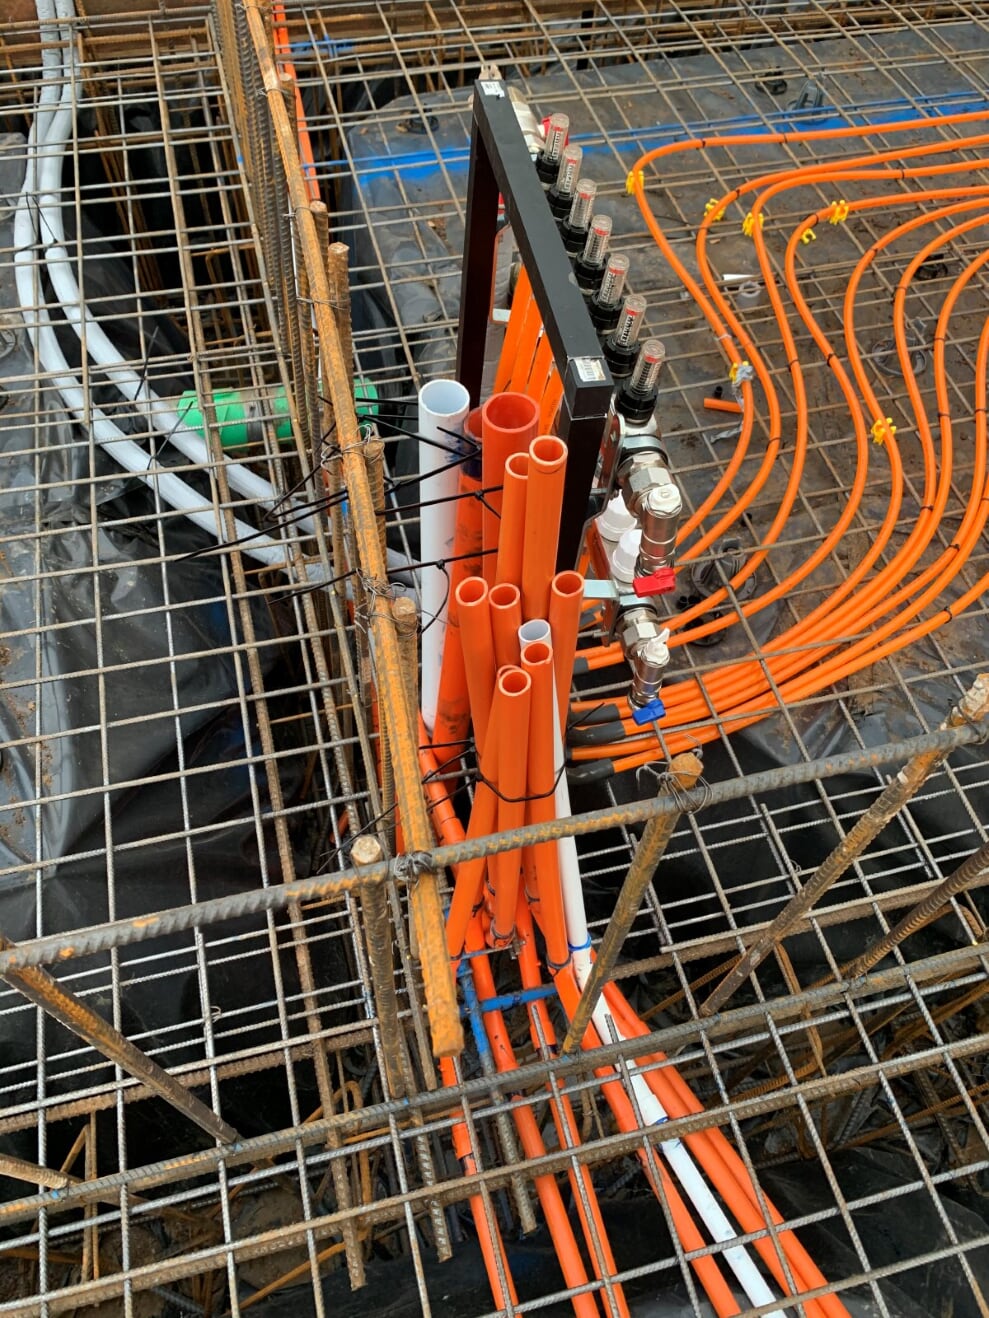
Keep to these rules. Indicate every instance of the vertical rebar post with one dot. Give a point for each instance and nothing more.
(377, 935)
(684, 772)
(972, 708)
(337, 377)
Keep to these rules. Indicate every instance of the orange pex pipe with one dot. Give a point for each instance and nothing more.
(514, 697)
(532, 328)
(706, 1268)
(814, 639)
(564, 1117)
(511, 530)
(544, 502)
(566, 601)
(537, 661)
(506, 619)
(542, 365)
(726, 1170)
(723, 405)
(509, 424)
(468, 886)
(549, 407)
(488, 1235)
(474, 618)
(550, 1199)
(453, 702)
(521, 301)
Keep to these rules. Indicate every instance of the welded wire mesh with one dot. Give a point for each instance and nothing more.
(255, 683)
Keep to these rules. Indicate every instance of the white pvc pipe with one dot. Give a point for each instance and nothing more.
(690, 1177)
(443, 408)
(674, 1151)
(538, 629)
(51, 121)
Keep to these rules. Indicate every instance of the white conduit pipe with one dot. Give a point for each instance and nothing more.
(443, 408)
(57, 128)
(653, 1113)
(98, 345)
(51, 121)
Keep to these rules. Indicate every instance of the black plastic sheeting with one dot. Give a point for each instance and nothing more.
(900, 1224)
(48, 603)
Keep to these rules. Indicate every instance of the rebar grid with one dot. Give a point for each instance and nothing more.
(911, 1029)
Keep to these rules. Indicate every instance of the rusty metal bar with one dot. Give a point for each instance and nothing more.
(377, 935)
(45, 992)
(970, 711)
(121, 933)
(264, 1147)
(441, 1002)
(964, 877)
(683, 774)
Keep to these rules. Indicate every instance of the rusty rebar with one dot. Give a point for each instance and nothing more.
(377, 935)
(683, 774)
(374, 453)
(970, 711)
(45, 992)
(964, 877)
(445, 1026)
(338, 256)
(322, 887)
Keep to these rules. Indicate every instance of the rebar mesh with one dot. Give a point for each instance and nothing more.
(224, 739)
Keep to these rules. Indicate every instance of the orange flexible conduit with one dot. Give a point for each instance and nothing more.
(854, 626)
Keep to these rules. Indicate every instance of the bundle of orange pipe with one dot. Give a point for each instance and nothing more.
(864, 618)
(515, 694)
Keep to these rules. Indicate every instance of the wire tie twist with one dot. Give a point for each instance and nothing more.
(411, 866)
(741, 373)
(667, 785)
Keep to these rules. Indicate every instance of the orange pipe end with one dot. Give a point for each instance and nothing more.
(514, 697)
(509, 424)
(474, 615)
(723, 405)
(566, 601)
(505, 602)
(450, 727)
(544, 502)
(537, 661)
(511, 529)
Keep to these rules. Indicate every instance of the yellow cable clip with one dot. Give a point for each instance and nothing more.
(840, 212)
(712, 205)
(808, 236)
(883, 430)
(635, 179)
(748, 224)
(740, 372)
